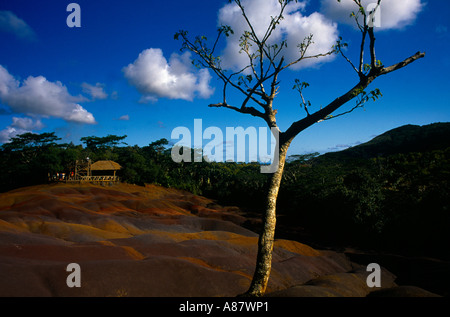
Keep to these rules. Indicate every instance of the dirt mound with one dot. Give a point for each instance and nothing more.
(146, 241)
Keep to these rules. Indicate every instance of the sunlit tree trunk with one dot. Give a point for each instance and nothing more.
(267, 234)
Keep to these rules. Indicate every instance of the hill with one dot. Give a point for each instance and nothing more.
(391, 192)
(152, 241)
(404, 139)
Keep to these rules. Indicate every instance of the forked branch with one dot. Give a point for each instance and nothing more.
(323, 113)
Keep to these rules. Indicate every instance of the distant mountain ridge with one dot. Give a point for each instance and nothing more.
(404, 139)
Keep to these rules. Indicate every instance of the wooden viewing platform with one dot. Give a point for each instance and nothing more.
(94, 179)
(100, 172)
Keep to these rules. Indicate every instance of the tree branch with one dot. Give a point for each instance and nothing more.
(347, 59)
(248, 110)
(306, 122)
(303, 48)
(361, 52)
(321, 114)
(409, 60)
(373, 59)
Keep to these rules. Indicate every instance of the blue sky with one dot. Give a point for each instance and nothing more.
(103, 77)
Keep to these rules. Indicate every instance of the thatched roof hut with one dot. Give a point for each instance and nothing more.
(105, 166)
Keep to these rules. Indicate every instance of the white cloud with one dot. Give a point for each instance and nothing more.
(8, 133)
(80, 115)
(124, 117)
(10, 23)
(96, 92)
(19, 126)
(7, 82)
(294, 28)
(26, 124)
(36, 96)
(155, 77)
(394, 14)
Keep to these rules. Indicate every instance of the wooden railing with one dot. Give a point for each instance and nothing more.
(95, 179)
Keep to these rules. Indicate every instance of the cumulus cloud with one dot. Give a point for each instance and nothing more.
(10, 23)
(394, 14)
(36, 96)
(19, 126)
(27, 124)
(95, 91)
(155, 77)
(294, 28)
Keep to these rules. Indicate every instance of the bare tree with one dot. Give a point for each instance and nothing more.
(258, 82)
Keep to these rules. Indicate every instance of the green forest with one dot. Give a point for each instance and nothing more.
(389, 194)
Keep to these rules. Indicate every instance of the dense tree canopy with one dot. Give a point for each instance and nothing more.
(397, 201)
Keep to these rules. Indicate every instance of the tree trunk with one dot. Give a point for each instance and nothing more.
(267, 235)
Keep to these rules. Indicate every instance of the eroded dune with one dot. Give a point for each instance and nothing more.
(149, 241)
